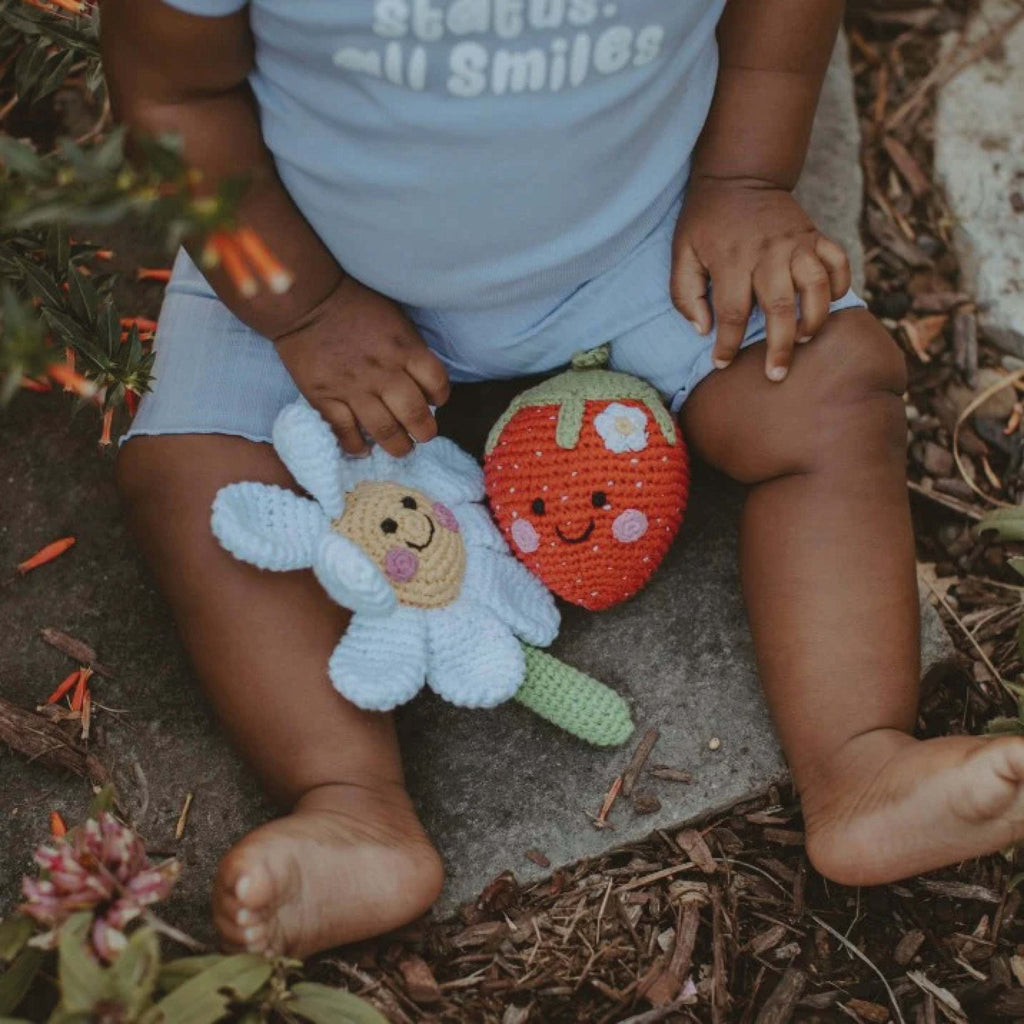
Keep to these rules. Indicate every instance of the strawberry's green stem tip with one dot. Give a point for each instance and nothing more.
(587, 380)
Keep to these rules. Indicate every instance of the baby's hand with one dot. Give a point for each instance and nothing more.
(361, 363)
(753, 242)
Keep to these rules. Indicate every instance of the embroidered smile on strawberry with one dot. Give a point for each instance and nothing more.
(587, 475)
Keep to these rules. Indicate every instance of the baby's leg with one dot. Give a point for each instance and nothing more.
(350, 860)
(829, 581)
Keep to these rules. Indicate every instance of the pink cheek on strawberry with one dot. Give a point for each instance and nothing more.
(525, 536)
(629, 526)
(400, 565)
(444, 515)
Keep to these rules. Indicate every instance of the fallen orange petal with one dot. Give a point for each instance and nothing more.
(46, 554)
(64, 687)
(57, 826)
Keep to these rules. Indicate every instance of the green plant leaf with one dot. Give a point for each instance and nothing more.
(21, 158)
(134, 973)
(177, 972)
(15, 931)
(83, 980)
(205, 998)
(18, 978)
(108, 329)
(103, 801)
(58, 248)
(322, 1004)
(1008, 523)
(1016, 563)
(41, 284)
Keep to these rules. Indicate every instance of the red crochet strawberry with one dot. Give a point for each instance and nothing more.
(588, 477)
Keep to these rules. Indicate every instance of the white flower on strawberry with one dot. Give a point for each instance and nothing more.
(623, 428)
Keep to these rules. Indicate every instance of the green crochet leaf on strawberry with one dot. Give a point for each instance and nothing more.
(588, 476)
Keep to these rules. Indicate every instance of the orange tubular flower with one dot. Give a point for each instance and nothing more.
(108, 422)
(81, 689)
(144, 324)
(72, 380)
(39, 386)
(47, 554)
(57, 826)
(64, 687)
(275, 275)
(228, 253)
(162, 274)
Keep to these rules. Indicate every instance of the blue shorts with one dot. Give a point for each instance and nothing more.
(213, 374)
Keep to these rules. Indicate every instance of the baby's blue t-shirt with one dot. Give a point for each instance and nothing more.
(469, 153)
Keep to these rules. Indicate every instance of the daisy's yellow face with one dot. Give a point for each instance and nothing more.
(415, 541)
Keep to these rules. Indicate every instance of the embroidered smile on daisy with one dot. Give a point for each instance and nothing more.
(405, 545)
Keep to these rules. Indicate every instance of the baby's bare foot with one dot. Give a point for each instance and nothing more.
(895, 806)
(348, 863)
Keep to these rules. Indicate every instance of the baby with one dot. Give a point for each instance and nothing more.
(474, 189)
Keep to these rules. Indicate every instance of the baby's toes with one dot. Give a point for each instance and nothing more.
(993, 780)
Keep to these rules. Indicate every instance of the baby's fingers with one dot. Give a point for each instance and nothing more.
(381, 425)
(429, 374)
(837, 265)
(689, 287)
(773, 286)
(732, 300)
(343, 420)
(812, 282)
(406, 403)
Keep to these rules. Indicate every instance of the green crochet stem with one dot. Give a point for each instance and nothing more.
(573, 701)
(587, 380)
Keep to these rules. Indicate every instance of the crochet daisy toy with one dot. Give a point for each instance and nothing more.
(588, 476)
(406, 545)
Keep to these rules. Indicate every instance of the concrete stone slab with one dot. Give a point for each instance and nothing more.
(490, 785)
(979, 158)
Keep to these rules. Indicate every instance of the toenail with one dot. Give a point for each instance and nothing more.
(777, 373)
(244, 917)
(252, 934)
(242, 886)
(721, 364)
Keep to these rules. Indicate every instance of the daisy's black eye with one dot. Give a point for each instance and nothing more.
(408, 502)
(599, 499)
(389, 525)
(538, 506)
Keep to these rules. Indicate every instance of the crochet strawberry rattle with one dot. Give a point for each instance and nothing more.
(588, 477)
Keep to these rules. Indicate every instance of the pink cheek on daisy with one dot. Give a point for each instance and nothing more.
(444, 515)
(525, 536)
(629, 526)
(400, 565)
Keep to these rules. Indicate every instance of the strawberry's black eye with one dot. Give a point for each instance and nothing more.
(389, 526)
(538, 506)
(599, 499)
(408, 502)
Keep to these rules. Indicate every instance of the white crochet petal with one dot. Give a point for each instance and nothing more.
(513, 594)
(442, 470)
(308, 447)
(351, 577)
(381, 662)
(477, 526)
(474, 660)
(267, 525)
